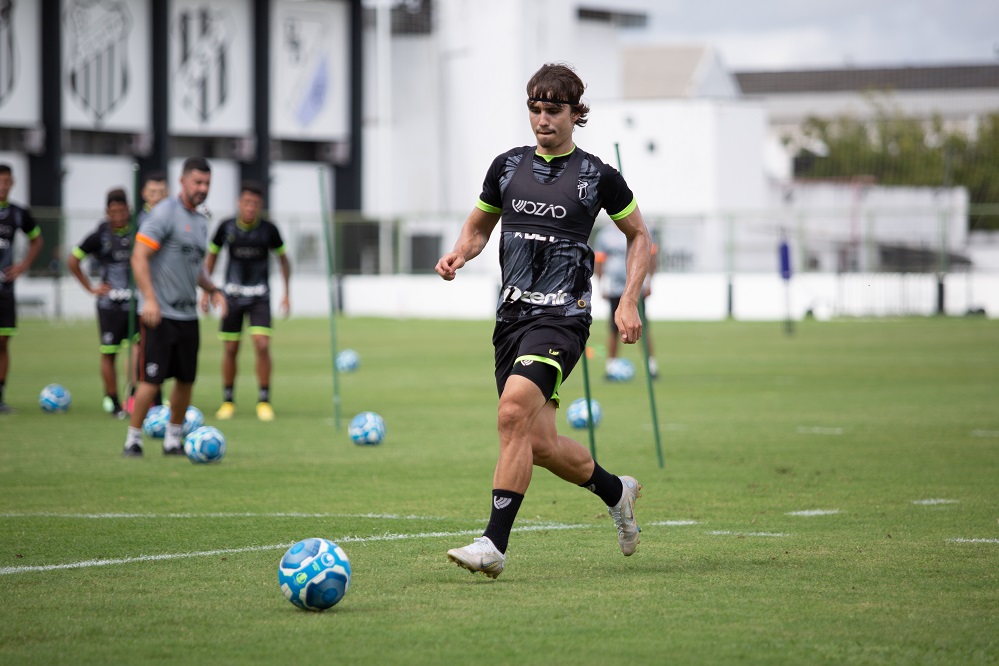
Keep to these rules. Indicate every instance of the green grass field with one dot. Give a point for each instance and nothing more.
(886, 431)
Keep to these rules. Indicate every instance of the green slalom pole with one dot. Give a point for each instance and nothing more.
(645, 350)
(589, 404)
(133, 300)
(331, 288)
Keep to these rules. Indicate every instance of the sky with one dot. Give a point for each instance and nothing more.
(811, 34)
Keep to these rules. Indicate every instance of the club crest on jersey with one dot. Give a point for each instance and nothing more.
(581, 186)
(539, 208)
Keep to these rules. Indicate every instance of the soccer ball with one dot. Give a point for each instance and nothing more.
(205, 445)
(577, 413)
(193, 419)
(348, 361)
(155, 423)
(620, 370)
(54, 398)
(367, 428)
(314, 574)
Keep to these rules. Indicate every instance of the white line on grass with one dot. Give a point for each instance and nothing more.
(935, 501)
(814, 512)
(985, 433)
(108, 516)
(819, 430)
(4, 571)
(673, 523)
(747, 534)
(973, 540)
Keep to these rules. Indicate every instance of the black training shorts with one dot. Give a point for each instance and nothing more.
(113, 325)
(259, 310)
(169, 350)
(532, 346)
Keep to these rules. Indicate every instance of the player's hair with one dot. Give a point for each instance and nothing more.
(558, 83)
(117, 195)
(5, 168)
(253, 187)
(155, 176)
(195, 164)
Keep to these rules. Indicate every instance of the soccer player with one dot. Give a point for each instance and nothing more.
(548, 196)
(12, 219)
(250, 240)
(611, 254)
(168, 265)
(110, 244)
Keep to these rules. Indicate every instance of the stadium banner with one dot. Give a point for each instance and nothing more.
(309, 70)
(106, 65)
(211, 84)
(20, 63)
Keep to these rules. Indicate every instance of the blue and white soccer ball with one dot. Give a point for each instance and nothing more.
(577, 413)
(205, 445)
(54, 398)
(620, 370)
(348, 360)
(367, 428)
(155, 423)
(314, 574)
(193, 419)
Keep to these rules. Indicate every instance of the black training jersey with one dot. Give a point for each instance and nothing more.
(248, 271)
(12, 218)
(548, 208)
(112, 249)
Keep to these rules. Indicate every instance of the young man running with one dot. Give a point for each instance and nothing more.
(250, 240)
(548, 196)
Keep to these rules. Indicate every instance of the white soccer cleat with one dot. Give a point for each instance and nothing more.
(480, 555)
(623, 514)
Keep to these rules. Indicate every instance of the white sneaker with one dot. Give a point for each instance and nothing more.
(480, 555)
(623, 514)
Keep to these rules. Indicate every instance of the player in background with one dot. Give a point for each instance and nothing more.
(250, 239)
(13, 218)
(549, 196)
(110, 245)
(168, 266)
(611, 255)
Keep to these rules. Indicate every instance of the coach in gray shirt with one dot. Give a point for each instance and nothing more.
(168, 265)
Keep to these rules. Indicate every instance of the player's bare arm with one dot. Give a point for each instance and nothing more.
(140, 272)
(210, 260)
(286, 276)
(628, 321)
(215, 294)
(15, 270)
(473, 237)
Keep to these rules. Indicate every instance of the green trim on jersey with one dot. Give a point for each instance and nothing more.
(483, 206)
(628, 210)
(213, 248)
(280, 250)
(78, 253)
(35, 233)
(248, 227)
(558, 373)
(549, 158)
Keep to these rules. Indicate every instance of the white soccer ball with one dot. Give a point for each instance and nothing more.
(54, 398)
(193, 419)
(155, 423)
(620, 370)
(314, 574)
(367, 428)
(577, 413)
(205, 445)
(348, 360)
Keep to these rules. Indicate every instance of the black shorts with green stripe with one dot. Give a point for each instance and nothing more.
(543, 349)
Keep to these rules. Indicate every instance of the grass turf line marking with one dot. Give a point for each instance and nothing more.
(934, 501)
(673, 523)
(747, 534)
(106, 516)
(972, 540)
(814, 512)
(819, 430)
(985, 433)
(6, 571)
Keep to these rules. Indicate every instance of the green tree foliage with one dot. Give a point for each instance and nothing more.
(894, 149)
